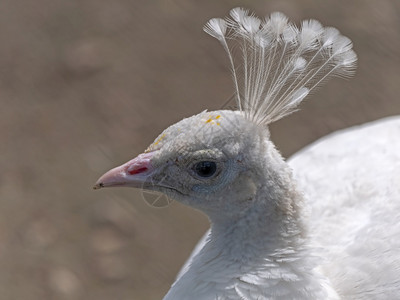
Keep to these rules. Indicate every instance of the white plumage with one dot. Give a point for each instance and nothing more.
(355, 222)
(278, 64)
(330, 231)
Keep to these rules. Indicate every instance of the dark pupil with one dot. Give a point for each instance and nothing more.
(205, 168)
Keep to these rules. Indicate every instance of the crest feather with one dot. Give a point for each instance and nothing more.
(278, 64)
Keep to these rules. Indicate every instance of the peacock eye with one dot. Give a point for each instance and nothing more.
(205, 169)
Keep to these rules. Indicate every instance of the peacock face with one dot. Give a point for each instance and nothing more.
(203, 161)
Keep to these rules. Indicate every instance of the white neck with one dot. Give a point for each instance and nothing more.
(260, 253)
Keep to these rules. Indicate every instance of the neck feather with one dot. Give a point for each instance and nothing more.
(259, 253)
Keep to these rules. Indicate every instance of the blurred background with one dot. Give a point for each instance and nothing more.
(87, 85)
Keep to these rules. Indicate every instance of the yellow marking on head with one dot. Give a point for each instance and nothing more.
(212, 119)
(151, 147)
(159, 139)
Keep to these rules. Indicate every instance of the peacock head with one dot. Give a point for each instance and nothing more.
(214, 158)
(204, 161)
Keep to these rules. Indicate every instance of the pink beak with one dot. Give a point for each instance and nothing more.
(134, 173)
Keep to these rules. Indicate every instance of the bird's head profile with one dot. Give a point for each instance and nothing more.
(214, 158)
(204, 161)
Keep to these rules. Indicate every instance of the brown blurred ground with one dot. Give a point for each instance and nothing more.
(86, 85)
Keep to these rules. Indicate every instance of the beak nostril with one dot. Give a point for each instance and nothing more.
(137, 171)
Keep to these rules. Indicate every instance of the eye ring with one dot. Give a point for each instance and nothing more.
(205, 169)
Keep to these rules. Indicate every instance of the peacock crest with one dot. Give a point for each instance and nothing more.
(275, 64)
